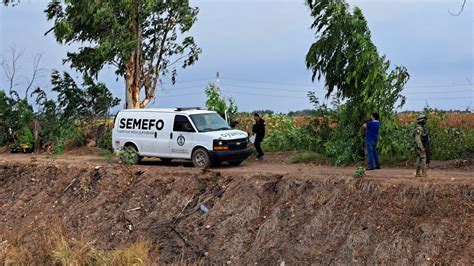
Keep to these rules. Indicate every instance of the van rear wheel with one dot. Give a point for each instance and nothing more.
(201, 158)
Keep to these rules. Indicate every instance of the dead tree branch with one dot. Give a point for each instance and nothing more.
(460, 11)
(10, 66)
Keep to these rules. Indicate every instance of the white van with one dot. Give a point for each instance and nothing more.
(183, 133)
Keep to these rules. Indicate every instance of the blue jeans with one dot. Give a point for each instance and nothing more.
(373, 157)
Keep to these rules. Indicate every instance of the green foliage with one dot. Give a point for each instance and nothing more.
(449, 143)
(284, 135)
(307, 157)
(25, 136)
(324, 138)
(5, 115)
(92, 101)
(144, 40)
(69, 136)
(10, 2)
(99, 100)
(360, 172)
(396, 144)
(354, 73)
(127, 155)
(216, 102)
(105, 142)
(62, 121)
(16, 118)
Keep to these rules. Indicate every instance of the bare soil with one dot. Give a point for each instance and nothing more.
(263, 212)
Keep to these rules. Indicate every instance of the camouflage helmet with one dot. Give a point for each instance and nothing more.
(421, 119)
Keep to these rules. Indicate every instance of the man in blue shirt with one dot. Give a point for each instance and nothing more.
(371, 139)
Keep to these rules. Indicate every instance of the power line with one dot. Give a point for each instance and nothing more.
(289, 90)
(261, 88)
(190, 81)
(437, 92)
(269, 82)
(311, 89)
(178, 95)
(427, 99)
(311, 85)
(240, 93)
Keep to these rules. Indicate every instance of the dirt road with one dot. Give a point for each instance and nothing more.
(274, 163)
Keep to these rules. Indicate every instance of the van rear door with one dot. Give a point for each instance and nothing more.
(181, 138)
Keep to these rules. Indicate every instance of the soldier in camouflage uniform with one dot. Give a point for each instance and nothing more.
(421, 145)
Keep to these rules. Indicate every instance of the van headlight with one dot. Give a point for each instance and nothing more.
(220, 145)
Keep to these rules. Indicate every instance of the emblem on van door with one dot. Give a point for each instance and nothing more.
(181, 140)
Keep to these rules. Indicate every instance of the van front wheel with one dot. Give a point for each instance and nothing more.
(201, 158)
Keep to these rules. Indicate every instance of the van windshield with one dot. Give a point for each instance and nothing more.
(209, 122)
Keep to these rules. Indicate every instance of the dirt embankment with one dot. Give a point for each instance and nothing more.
(262, 218)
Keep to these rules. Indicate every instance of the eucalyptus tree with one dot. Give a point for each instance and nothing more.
(143, 39)
(353, 72)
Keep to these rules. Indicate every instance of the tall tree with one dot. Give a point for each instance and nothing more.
(143, 39)
(353, 71)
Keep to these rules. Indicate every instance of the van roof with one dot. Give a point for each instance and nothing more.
(188, 111)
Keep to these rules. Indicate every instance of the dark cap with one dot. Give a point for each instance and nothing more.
(421, 118)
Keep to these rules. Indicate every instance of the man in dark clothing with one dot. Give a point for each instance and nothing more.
(371, 138)
(259, 131)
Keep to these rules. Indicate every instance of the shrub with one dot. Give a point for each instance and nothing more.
(26, 136)
(127, 155)
(284, 135)
(105, 141)
(360, 172)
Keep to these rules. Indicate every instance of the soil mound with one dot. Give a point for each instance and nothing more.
(239, 218)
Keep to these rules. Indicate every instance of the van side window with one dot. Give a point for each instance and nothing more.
(182, 124)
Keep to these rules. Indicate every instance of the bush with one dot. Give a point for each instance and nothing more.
(26, 137)
(127, 155)
(69, 136)
(105, 141)
(396, 142)
(451, 143)
(284, 135)
(360, 172)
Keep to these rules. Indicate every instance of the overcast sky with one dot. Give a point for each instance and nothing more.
(259, 47)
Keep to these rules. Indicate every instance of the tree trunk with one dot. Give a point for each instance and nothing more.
(132, 81)
(133, 68)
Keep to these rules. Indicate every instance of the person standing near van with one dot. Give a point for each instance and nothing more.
(371, 138)
(259, 131)
(422, 145)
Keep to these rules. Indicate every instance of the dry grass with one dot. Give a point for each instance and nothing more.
(11, 254)
(450, 120)
(135, 254)
(56, 249)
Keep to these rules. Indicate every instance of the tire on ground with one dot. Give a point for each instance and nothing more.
(201, 158)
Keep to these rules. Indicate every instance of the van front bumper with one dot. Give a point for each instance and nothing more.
(230, 156)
